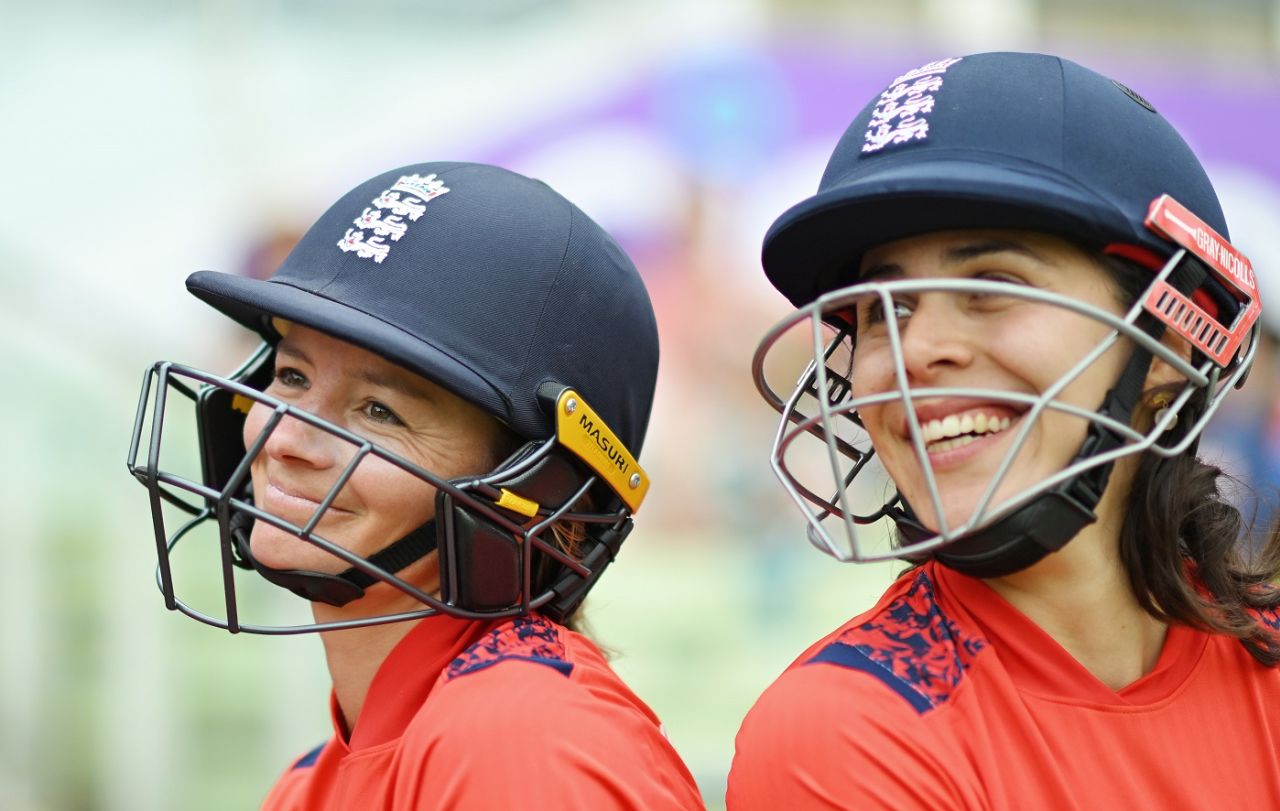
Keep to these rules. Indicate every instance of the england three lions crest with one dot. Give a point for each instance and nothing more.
(902, 112)
(373, 248)
(385, 219)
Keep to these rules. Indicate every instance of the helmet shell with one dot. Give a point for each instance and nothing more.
(993, 140)
(482, 280)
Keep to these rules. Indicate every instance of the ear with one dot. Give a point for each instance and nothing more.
(1164, 382)
(1162, 374)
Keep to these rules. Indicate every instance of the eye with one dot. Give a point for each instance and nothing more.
(995, 301)
(999, 276)
(873, 311)
(381, 414)
(291, 378)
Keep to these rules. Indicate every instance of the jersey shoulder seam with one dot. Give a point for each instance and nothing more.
(309, 759)
(911, 646)
(523, 639)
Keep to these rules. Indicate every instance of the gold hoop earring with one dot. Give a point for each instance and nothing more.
(1160, 402)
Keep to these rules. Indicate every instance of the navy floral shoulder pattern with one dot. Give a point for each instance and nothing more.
(911, 646)
(528, 639)
(1269, 618)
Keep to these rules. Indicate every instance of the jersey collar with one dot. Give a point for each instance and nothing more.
(405, 679)
(1037, 664)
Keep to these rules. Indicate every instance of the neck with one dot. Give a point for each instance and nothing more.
(1081, 597)
(354, 655)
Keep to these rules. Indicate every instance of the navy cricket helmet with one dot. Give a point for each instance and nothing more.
(498, 289)
(1007, 141)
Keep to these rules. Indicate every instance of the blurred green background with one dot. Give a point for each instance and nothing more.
(143, 139)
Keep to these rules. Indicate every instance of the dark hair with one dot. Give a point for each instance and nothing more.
(1189, 555)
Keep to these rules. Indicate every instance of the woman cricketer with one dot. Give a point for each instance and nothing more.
(1019, 306)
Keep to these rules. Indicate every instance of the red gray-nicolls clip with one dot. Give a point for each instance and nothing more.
(1217, 340)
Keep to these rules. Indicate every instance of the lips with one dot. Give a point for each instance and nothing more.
(952, 424)
(281, 497)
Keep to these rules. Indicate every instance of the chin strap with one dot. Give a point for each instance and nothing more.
(334, 589)
(1047, 522)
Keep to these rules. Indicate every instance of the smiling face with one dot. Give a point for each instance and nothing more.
(964, 340)
(379, 401)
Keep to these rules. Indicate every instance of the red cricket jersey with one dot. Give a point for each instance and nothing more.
(521, 713)
(944, 696)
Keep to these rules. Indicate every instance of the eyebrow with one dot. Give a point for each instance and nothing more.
(953, 256)
(289, 349)
(398, 382)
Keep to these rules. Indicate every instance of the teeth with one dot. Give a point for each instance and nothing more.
(951, 426)
(954, 432)
(948, 444)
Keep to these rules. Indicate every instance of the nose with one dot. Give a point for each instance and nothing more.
(935, 339)
(291, 440)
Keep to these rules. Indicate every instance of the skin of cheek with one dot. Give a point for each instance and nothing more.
(380, 503)
(425, 424)
(1021, 351)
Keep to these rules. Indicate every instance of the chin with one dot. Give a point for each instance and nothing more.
(958, 507)
(278, 549)
(925, 515)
